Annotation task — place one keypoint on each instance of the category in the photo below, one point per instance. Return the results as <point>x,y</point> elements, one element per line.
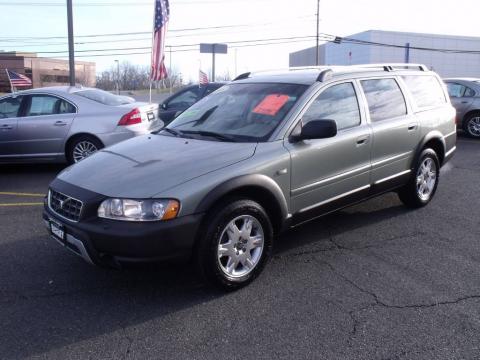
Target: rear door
<point>326,170</point>
<point>9,109</point>
<point>395,130</point>
<point>44,125</point>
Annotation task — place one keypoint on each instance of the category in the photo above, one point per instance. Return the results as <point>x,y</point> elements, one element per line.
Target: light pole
<point>118,77</point>
<point>71,50</point>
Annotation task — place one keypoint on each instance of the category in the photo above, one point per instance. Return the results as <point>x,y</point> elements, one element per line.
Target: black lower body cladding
<point>110,242</point>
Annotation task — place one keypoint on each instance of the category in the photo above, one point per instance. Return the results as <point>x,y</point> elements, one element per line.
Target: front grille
<point>65,206</point>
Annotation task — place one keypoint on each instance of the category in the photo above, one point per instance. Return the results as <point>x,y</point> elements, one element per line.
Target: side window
<point>185,99</point>
<point>469,92</point>
<point>426,90</point>
<point>455,90</point>
<point>9,107</point>
<point>211,89</point>
<point>66,108</point>
<point>385,99</point>
<point>339,103</point>
<point>43,105</point>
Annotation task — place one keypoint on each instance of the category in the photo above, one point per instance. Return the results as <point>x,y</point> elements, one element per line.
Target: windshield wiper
<point>174,132</point>
<point>222,137</point>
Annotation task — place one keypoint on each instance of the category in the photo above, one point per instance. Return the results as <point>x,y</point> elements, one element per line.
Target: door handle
<point>60,123</point>
<point>464,102</point>
<point>6,127</point>
<point>362,140</point>
<point>412,127</point>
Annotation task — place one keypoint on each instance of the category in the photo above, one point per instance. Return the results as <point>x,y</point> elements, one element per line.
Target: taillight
<point>133,117</point>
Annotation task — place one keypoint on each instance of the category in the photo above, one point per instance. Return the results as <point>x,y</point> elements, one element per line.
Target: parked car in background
<point>183,99</point>
<point>268,152</point>
<point>465,96</point>
<point>68,123</point>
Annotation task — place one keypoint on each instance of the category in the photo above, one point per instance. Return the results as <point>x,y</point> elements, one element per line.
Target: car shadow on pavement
<point>56,300</point>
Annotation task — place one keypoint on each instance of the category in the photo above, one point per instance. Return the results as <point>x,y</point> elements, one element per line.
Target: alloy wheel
<point>473,126</point>
<point>240,246</point>
<point>426,179</point>
<point>83,149</point>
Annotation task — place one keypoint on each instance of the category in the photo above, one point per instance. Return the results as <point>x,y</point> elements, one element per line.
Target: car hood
<point>146,165</point>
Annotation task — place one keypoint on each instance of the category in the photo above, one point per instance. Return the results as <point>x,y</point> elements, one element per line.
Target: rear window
<point>104,97</point>
<point>426,90</point>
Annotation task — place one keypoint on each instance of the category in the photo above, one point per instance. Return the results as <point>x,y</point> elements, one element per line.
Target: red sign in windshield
<point>271,104</point>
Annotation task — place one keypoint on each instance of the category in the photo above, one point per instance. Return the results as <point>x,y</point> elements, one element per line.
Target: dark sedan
<point>183,99</point>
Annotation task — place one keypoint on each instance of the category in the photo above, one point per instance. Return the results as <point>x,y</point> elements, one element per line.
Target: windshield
<point>104,97</point>
<point>239,112</point>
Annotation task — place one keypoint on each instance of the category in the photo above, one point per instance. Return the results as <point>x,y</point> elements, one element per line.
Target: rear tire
<point>235,245</point>
<point>471,125</point>
<point>423,183</point>
<point>82,147</point>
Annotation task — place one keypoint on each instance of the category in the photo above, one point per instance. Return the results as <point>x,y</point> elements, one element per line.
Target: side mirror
<point>316,129</point>
<point>164,106</point>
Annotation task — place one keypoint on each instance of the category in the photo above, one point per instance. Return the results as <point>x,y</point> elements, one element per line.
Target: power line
<point>150,32</point>
<point>256,42</point>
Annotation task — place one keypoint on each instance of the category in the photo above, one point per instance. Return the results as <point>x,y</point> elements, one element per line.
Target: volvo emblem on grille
<point>63,202</point>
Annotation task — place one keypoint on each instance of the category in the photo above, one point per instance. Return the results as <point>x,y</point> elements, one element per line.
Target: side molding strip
<point>334,198</point>
<point>392,177</point>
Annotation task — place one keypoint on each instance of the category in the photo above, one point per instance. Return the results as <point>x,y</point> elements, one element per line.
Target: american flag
<point>202,78</point>
<point>18,80</point>
<point>162,13</point>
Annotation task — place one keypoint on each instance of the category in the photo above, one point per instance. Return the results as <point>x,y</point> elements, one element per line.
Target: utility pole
<point>71,50</point>
<point>318,30</point>
<point>118,77</point>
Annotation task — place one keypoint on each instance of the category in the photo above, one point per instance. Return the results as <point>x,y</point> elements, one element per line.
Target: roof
<point>310,75</point>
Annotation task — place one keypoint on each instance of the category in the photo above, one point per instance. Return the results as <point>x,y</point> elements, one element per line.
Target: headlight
<point>139,210</point>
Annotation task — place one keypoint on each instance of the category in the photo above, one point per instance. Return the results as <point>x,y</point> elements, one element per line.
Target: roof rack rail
<point>324,75</point>
<point>394,66</point>
<point>242,76</point>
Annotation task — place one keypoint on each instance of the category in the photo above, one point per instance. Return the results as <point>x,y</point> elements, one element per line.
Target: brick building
<point>43,71</point>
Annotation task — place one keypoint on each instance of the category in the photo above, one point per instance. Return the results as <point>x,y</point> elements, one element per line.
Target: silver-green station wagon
<point>263,153</point>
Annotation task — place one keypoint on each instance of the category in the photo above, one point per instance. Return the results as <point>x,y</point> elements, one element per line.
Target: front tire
<point>235,245</point>
<point>422,186</point>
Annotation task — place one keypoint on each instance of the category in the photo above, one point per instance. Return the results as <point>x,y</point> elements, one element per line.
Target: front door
<point>44,125</point>
<point>326,170</point>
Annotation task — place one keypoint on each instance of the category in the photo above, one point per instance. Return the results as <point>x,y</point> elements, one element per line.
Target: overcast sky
<point>256,20</point>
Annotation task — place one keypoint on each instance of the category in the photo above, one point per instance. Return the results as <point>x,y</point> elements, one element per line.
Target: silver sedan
<point>63,123</point>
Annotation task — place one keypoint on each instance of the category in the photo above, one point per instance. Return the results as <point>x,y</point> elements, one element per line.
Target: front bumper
<point>111,242</point>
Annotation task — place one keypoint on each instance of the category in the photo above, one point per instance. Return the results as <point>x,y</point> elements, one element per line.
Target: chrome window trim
<point>333,198</point>
<point>54,95</point>
<point>56,213</point>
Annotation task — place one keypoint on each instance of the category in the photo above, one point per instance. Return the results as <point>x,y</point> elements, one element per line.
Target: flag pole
<point>151,51</point>
<point>10,81</point>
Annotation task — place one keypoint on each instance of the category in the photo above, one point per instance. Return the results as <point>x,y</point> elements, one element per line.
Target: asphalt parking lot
<point>374,281</point>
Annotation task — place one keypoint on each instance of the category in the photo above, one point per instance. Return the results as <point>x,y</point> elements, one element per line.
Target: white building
<point>459,64</point>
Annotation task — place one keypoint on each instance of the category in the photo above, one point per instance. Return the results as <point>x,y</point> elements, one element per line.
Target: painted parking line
<point>21,204</point>
<point>20,194</point>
